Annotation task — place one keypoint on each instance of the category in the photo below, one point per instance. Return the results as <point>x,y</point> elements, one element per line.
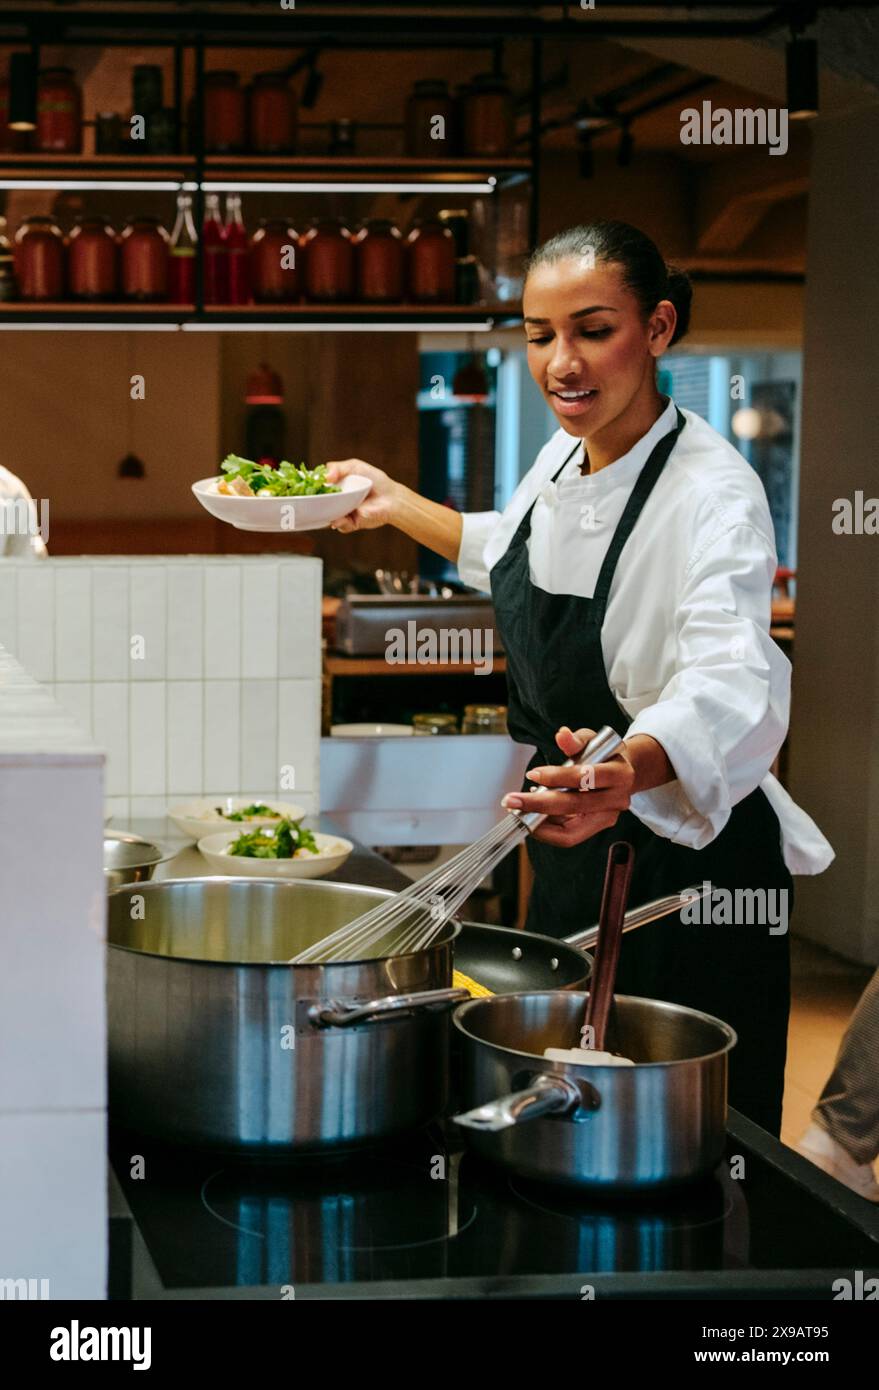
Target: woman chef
<point>631,575</point>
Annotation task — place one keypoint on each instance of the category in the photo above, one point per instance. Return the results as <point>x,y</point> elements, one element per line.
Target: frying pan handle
<point>335,1013</point>
<point>640,916</point>
<point>548,1095</point>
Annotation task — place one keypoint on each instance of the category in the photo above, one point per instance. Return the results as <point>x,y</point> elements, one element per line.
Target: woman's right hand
<point>377,507</point>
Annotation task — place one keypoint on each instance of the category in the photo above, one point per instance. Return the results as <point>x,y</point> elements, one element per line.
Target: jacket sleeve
<point>723,715</point>
<point>477,527</point>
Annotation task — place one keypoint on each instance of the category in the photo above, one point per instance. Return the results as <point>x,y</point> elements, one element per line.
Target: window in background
<point>753,399</point>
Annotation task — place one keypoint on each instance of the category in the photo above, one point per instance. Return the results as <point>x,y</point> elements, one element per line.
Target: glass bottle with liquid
<point>215,253</point>
<point>238,272</point>
<point>184,248</point>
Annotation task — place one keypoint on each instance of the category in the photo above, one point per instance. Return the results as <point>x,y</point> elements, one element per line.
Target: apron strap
<point>647,479</point>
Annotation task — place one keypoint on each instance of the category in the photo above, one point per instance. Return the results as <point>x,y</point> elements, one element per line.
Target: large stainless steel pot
<point>216,1040</point>
<point>657,1123</point>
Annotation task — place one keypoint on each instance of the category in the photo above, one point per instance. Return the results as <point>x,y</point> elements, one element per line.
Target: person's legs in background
<point>843,1138</point>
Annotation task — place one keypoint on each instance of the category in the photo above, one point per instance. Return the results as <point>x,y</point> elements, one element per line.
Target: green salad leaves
<point>271,843</point>
<point>287,480</point>
<point>252,812</point>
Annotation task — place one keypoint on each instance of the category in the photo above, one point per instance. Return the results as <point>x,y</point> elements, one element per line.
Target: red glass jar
<point>489,124</point>
<point>431,263</point>
<point>274,271</point>
<point>39,259</point>
<point>328,261</point>
<point>427,136</point>
<point>272,114</point>
<point>59,112</point>
<point>380,260</point>
<point>224,113</point>
<point>145,250</point>
<point>93,260</point>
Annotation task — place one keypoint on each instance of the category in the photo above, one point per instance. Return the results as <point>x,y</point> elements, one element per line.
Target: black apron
<point>556,676</point>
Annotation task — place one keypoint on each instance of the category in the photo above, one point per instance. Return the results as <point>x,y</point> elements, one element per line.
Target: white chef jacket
<point>13,541</point>
<point>686,634</point>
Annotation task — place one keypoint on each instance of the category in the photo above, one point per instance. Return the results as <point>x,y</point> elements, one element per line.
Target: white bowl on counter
<point>282,514</point>
<point>197,818</point>
<point>333,851</point>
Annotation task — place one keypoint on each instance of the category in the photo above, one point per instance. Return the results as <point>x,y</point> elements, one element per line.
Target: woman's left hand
<point>599,794</point>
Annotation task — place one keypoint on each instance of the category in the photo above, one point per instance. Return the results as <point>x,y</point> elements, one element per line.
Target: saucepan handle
<point>335,1013</point>
<point>548,1095</point>
<point>640,916</point>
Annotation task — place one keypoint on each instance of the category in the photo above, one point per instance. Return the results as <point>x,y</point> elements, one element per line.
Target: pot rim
<point>273,884</point>
<point>583,1070</point>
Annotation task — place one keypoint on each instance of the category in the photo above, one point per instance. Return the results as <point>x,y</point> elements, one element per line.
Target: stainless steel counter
<point>184,861</point>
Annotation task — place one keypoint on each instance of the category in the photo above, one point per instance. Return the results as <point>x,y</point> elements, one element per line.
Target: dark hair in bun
<point>645,272</point>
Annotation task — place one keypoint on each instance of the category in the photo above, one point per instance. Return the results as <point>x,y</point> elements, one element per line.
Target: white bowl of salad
<point>284,851</point>
<point>213,813</point>
<point>257,497</point>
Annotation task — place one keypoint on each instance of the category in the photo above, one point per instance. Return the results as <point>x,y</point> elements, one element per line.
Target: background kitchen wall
<point>226,692</point>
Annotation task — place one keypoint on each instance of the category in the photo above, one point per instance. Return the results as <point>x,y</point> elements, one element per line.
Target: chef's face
<point>590,349</point>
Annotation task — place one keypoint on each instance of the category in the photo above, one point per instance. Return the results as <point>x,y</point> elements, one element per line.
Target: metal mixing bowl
<point>128,859</point>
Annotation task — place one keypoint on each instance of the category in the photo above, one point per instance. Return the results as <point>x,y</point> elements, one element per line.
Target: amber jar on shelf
<point>328,262</point>
<point>484,719</point>
<point>430,251</point>
<point>428,137</point>
<point>225,122</point>
<point>145,251</point>
<point>39,259</point>
<point>59,112</point>
<point>272,114</point>
<point>93,260</point>
<point>379,259</point>
<point>273,278</point>
<point>488,117</point>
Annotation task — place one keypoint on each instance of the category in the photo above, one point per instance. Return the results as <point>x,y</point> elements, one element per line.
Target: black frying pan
<point>507,961</point>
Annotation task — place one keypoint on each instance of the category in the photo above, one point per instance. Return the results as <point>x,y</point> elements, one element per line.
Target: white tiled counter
<point>52,1030</point>
<point>199,675</point>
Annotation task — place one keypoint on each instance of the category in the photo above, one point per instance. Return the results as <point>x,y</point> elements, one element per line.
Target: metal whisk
<point>411,920</point>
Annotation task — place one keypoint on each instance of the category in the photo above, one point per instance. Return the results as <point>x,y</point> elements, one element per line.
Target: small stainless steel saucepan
<point>659,1122</point>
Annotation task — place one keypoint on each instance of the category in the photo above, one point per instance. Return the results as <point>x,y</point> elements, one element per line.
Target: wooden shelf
<point>338,665</point>
<point>380,312</point>
<point>245,168</point>
<point>66,308</point>
<point>432,317</point>
<point>332,167</point>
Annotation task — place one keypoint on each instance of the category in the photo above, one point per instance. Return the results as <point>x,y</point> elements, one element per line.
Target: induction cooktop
<point>418,1217</point>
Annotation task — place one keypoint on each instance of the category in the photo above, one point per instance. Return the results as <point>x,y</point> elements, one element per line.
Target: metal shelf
<point>261,174</point>
<point>413,318</point>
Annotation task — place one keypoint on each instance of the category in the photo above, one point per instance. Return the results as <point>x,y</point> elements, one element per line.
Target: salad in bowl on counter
<point>290,497</point>
<point>287,850</point>
<point>195,819</point>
